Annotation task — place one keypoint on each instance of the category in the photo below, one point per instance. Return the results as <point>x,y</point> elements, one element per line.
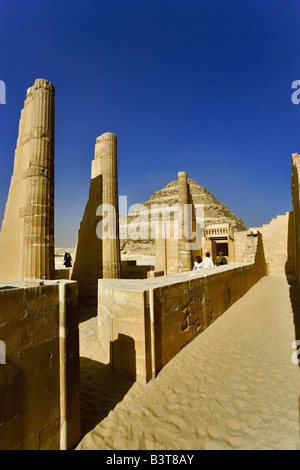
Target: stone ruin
<point>98,256</point>
<point>27,233</point>
<point>145,316</point>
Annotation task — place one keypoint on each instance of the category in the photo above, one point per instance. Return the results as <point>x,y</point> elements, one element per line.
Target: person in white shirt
<point>197,263</point>
<point>207,262</point>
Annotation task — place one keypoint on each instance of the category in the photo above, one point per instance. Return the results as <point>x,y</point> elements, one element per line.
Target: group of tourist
<point>208,263</point>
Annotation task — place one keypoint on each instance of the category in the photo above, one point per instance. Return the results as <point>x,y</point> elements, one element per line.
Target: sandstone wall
<point>30,395</point>
<point>278,242</point>
<point>295,180</point>
<point>63,273</point>
<point>166,248</point>
<point>144,324</point>
<point>130,270</point>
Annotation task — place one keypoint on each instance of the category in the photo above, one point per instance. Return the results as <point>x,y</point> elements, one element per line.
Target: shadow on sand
<point>101,389</point>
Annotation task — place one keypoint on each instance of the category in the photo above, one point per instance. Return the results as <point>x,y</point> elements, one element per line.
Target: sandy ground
<point>233,387</point>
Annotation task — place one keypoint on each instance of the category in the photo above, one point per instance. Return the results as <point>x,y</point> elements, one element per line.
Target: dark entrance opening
<point>223,247</point>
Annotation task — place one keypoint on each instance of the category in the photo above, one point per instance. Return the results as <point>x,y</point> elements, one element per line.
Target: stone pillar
<point>106,154</point>
<point>184,218</point>
<point>38,237</point>
<point>97,256</point>
<point>87,266</point>
<point>27,233</point>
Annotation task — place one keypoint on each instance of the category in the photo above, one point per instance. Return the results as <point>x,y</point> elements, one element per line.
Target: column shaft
<point>184,218</point>
<point>38,237</point>
<point>106,152</point>
<point>27,232</point>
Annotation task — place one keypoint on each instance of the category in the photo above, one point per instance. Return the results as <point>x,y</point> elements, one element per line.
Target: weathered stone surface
<point>278,241</point>
<point>30,386</point>
<point>144,323</point>
<point>293,261</point>
<point>184,242</point>
<point>97,255</point>
<point>27,233</point>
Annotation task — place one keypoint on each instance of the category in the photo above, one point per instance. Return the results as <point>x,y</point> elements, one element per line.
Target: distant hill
<point>214,213</point>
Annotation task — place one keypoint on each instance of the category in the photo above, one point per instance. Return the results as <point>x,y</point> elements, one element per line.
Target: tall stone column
<point>106,154</point>
<point>38,237</point>
<point>184,218</point>
<point>96,255</point>
<point>27,232</point>
<point>87,267</point>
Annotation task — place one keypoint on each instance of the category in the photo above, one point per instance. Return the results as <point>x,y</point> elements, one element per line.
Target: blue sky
<point>202,86</point>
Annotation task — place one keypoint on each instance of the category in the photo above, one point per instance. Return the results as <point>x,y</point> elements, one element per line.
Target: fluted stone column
<point>87,267</point>
<point>38,238</point>
<point>27,233</point>
<point>184,218</point>
<point>97,256</point>
<point>106,155</point>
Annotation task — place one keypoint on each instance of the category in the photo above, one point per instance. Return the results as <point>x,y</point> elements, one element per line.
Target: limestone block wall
<point>166,248</point>
<point>130,270</point>
<point>295,216</point>
<point>209,246</point>
<point>144,324</point>
<point>63,273</point>
<point>240,246</point>
<point>278,238</point>
<point>32,392</point>
<point>124,327</point>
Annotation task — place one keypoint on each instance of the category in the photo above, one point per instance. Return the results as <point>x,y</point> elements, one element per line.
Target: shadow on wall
<point>290,263</point>
<point>7,287</point>
<point>86,312</point>
<point>87,267</point>
<point>290,269</point>
<point>295,302</point>
<point>123,353</point>
<point>12,407</point>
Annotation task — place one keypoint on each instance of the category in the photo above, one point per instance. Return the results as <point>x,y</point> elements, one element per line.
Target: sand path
<point>233,387</point>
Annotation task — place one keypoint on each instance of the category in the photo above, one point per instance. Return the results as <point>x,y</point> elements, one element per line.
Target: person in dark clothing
<point>68,260</point>
<point>221,260</point>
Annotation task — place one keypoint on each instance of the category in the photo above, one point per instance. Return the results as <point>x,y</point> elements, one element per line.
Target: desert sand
<point>233,387</point>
